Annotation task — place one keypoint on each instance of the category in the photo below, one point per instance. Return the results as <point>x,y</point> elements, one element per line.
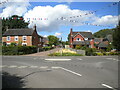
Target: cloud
<point>45,35</point>
<point>58,34</point>
<point>14,7</point>
<point>52,13</point>
<point>106,20</point>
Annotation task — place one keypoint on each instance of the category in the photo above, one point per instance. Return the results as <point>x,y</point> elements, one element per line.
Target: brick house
<point>81,38</point>
<point>27,37</point>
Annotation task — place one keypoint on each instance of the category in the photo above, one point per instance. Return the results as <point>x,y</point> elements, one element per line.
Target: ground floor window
<point>24,44</point>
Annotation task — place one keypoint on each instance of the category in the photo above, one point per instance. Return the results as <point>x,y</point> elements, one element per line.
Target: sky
<point>57,18</point>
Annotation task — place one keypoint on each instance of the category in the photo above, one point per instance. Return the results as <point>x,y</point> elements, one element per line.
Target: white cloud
<point>58,34</point>
<point>106,20</point>
<point>14,7</point>
<point>52,13</point>
<point>45,35</point>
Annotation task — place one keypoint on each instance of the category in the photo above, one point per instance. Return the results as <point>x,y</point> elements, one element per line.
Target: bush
<point>77,47</point>
<point>47,48</point>
<point>18,50</point>
<point>99,54</point>
<point>65,54</point>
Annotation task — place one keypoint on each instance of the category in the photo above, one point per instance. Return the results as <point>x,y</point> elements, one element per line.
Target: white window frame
<point>9,38</point>
<point>77,39</point>
<point>24,44</point>
<point>86,38</point>
<point>16,38</point>
<point>40,40</point>
<point>24,37</point>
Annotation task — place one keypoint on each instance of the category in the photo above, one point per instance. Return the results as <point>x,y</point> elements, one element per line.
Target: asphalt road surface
<point>63,72</point>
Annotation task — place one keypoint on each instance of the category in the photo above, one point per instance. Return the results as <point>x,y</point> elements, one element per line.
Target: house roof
<point>103,44</point>
<point>18,32</point>
<point>81,43</point>
<point>84,34</point>
<point>98,39</point>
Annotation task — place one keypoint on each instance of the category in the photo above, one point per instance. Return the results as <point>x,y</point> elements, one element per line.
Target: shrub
<point>77,47</point>
<point>18,50</point>
<point>64,54</point>
<point>47,48</point>
<point>99,54</point>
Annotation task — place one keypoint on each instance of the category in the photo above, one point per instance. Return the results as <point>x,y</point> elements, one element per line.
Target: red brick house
<point>27,37</point>
<point>81,38</point>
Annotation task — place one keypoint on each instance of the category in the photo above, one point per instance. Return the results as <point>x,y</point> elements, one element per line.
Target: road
<point>64,72</point>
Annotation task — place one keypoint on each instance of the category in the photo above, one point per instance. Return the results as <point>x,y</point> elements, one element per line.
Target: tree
<point>116,38</point>
<point>103,33</point>
<point>53,40</point>
<point>13,23</point>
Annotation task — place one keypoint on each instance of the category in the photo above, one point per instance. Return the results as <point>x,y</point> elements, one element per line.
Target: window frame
<point>15,38</point>
<point>23,37</point>
<point>9,38</point>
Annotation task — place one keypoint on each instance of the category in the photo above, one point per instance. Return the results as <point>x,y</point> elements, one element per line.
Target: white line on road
<point>55,67</point>
<point>58,59</point>
<point>3,66</point>
<point>33,67</point>
<point>12,66</point>
<point>22,66</point>
<point>79,59</point>
<point>112,59</point>
<point>44,67</point>
<point>105,85</point>
<point>71,71</point>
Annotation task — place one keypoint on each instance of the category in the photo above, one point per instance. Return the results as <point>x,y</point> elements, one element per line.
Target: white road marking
<point>71,71</point>
<point>3,66</point>
<point>112,59</point>
<point>33,67</point>
<point>79,59</point>
<point>58,59</point>
<point>12,66</point>
<point>44,67</point>
<point>105,85</point>
<point>22,66</point>
<point>55,67</point>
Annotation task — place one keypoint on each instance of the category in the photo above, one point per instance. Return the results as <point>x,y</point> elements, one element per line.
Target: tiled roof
<point>84,34</point>
<point>103,44</point>
<point>81,43</point>
<point>98,39</point>
<point>18,32</point>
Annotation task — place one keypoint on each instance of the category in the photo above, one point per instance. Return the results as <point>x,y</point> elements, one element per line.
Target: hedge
<point>18,50</point>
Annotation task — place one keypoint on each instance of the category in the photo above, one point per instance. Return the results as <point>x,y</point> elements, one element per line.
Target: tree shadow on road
<point>11,81</point>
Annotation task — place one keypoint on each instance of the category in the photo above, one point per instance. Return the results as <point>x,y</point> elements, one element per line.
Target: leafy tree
<point>116,38</point>
<point>13,23</point>
<point>53,40</point>
<point>103,33</point>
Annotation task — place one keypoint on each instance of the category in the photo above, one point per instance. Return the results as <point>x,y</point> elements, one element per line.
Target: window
<point>8,38</point>
<point>24,44</point>
<point>16,38</point>
<point>78,39</point>
<point>24,38</point>
<point>86,38</point>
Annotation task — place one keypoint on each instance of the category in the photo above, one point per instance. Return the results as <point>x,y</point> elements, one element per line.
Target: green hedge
<point>47,48</point>
<point>64,54</point>
<point>18,50</point>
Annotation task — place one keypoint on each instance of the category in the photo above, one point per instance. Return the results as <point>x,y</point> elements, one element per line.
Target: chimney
<point>6,28</point>
<point>71,30</point>
<point>34,27</point>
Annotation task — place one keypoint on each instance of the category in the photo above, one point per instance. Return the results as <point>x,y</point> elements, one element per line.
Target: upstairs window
<point>24,38</point>
<point>78,39</point>
<point>8,38</point>
<point>16,38</point>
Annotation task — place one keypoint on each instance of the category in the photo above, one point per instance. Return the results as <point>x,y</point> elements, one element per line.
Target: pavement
<point>44,53</point>
<point>64,72</point>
